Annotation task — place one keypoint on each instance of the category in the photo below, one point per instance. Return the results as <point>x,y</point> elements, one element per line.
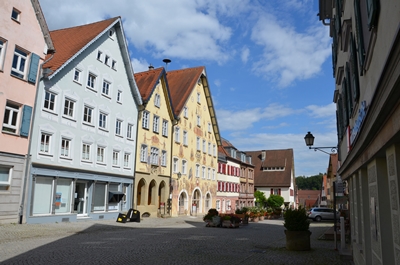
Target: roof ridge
<point>86,25</point>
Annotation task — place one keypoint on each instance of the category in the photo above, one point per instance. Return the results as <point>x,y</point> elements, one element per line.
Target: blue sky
<point>268,63</point>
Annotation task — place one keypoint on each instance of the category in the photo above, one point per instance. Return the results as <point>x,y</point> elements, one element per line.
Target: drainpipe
<point>28,155</point>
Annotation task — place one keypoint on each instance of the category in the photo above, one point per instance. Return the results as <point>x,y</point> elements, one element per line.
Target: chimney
<point>151,67</point>
<point>262,155</point>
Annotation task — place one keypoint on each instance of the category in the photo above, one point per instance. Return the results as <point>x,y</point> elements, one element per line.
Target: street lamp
<point>309,138</point>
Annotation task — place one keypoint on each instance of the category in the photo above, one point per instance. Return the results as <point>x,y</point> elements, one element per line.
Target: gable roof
<point>308,198</point>
<point>273,158</point>
<point>147,82</point>
<point>332,166</point>
<point>43,25</point>
<point>70,42</point>
<point>182,83</point>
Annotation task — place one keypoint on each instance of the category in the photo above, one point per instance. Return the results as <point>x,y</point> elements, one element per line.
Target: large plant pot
<point>298,240</point>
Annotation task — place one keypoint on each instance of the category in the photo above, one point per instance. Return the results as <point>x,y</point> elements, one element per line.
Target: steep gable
<point>273,168</point>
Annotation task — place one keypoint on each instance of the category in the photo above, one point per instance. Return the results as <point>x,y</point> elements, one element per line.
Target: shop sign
<point>357,125</point>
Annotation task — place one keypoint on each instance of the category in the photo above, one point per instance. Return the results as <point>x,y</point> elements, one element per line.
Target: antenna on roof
<point>166,61</point>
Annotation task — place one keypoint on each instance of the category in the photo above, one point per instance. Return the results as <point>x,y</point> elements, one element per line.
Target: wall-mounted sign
<point>362,111</point>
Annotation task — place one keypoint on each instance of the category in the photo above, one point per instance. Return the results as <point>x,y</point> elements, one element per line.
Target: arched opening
<point>152,193</point>
<point>196,202</point>
<point>182,203</point>
<point>162,194</point>
<point>207,202</point>
<point>140,192</point>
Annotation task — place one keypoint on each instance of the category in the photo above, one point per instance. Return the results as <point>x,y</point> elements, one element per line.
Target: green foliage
<point>309,183</point>
<point>211,212</point>
<point>296,220</point>
<point>260,198</point>
<point>275,201</point>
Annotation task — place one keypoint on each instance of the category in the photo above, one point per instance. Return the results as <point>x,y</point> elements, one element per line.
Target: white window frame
<point>208,173</point>
<point>198,144</point>
<point>209,127</point>
<point>88,116</point>
<point>101,153</point>
<point>156,123</point>
<point>165,128</point>
<point>118,127</point>
<point>70,108</point>
<point>127,160</point>
<point>77,75</point>
<point>154,153</point>
<point>13,110</point>
<point>177,135</point>
<point>99,55</point>
<point>143,153</point>
<point>145,119</point>
<point>214,150</point>
<point>107,59</point>
<point>129,131</point>
<point>164,158</point>
<point>213,174</point>
<point>106,88</point>
<point>3,46</point>
<point>209,148</point>
<point>91,81</point>
<point>86,152</point>
<point>119,96</point>
<point>157,100</point>
<point>16,15</point>
<point>198,121</point>
<point>65,147</point>
<point>6,183</point>
<point>51,101</point>
<point>204,146</point>
<point>184,166</point>
<point>185,138</point>
<point>198,98</point>
<point>185,112</point>
<point>21,57</point>
<point>203,172</point>
<point>175,165</point>
<point>103,120</point>
<point>45,143</point>
<point>197,171</point>
<point>114,65</point>
<point>115,158</point>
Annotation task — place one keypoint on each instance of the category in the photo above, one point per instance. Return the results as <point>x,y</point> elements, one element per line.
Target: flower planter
<point>261,218</point>
<point>298,240</point>
<point>229,224</point>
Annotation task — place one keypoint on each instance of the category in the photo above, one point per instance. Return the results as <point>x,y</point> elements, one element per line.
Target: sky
<point>268,63</point>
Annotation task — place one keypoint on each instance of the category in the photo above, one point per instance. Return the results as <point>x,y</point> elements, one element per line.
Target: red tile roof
<point>70,41</point>
<point>147,81</point>
<point>273,158</point>
<point>308,198</point>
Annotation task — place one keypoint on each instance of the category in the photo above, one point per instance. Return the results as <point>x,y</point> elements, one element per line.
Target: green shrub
<point>296,220</point>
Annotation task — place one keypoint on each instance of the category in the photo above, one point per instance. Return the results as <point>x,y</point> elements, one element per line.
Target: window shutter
<point>359,36</point>
<point>279,191</point>
<point>33,68</point>
<point>372,10</point>
<point>348,89</point>
<point>272,191</point>
<point>354,71</point>
<point>338,23</point>
<point>26,121</point>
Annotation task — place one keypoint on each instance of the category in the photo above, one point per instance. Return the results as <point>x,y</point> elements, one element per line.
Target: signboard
<point>362,111</point>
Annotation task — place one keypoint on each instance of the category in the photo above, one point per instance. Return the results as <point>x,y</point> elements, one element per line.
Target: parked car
<point>320,213</point>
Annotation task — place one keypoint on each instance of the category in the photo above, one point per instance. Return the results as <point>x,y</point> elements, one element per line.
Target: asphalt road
<point>180,240</point>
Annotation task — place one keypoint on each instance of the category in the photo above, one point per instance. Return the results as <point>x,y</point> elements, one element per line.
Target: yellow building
<point>154,140</point>
<point>195,143</point>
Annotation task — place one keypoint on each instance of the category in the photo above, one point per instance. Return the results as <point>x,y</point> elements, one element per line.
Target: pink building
<point>24,43</point>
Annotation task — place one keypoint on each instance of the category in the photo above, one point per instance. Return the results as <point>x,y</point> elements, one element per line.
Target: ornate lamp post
<point>309,138</point>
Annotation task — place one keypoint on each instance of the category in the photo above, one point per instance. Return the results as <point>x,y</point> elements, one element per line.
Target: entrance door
<point>81,197</point>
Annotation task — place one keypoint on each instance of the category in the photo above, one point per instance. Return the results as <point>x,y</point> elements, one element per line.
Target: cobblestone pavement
<point>177,240</point>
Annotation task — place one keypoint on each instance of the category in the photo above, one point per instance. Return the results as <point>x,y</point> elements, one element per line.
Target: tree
<point>260,198</point>
<point>275,201</point>
<point>309,183</point>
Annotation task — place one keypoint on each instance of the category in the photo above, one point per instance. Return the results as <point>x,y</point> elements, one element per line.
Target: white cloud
<point>139,65</point>
<point>217,82</point>
<point>289,55</point>
<point>245,54</point>
<point>322,111</point>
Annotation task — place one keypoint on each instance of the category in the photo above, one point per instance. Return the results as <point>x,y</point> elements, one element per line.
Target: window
<point>114,65</point>
<point>163,158</point>
<point>107,60</point>
<point>209,173</point>
<point>177,135</point>
<point>185,112</point>
<point>119,96</point>
<point>145,119</point>
<point>11,117</point>
<point>99,198</point>
<point>103,120</point>
<point>185,140</point>
<point>15,14</point>
<point>218,205</point>
<point>175,165</point>
<point>100,154</point>
<point>118,127</point>
<point>77,75</point>
<point>106,88</point>
<point>86,152</point>
<point>209,127</point>
<point>198,143</point>
<point>99,55</point>
<point>214,150</point>
<point>213,174</point>
<point>204,146</point>
<point>198,120</point>
<point>157,100</point>
<point>91,82</point>
<point>49,101</point>
<point>65,147</point>
<point>2,52</point>
<point>129,131</point>
<point>63,195</point>
<point>115,158</point>
<point>19,62</point>
<point>5,177</point>
<point>165,128</point>
<point>203,172</point>
<point>143,153</point>
<point>156,125</point>
<point>45,143</point>
<point>197,173</point>
<point>87,114</point>
<point>69,107</point>
<point>154,156</point>
<point>127,158</point>
<point>184,166</point>
<point>209,148</point>
<point>198,98</point>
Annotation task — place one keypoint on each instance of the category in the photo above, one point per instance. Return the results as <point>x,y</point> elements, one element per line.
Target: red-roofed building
<point>274,173</point>
<point>309,198</point>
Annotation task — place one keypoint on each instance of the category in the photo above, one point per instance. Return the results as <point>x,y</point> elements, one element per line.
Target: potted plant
<point>212,218</point>
<point>262,214</point>
<point>297,229</point>
<point>243,214</point>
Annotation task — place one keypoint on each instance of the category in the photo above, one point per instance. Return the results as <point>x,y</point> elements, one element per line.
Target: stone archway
<point>196,202</point>
<point>141,192</point>
<point>151,196</point>
<point>182,204</point>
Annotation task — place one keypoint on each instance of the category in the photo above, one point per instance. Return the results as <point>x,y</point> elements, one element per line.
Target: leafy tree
<point>275,201</point>
<point>309,183</point>
<point>260,198</point>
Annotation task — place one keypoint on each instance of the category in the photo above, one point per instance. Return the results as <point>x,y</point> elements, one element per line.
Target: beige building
<point>154,144</point>
<point>195,143</point>
<point>366,63</point>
